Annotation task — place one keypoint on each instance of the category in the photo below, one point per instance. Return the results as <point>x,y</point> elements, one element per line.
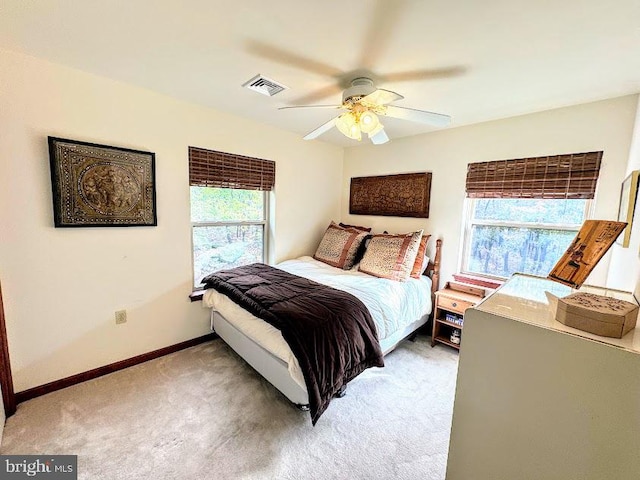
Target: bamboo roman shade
<point>208,168</point>
<point>557,176</point>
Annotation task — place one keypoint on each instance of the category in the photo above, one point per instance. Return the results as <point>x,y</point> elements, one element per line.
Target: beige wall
<point>624,270</point>
<point>605,125</point>
<point>62,286</point>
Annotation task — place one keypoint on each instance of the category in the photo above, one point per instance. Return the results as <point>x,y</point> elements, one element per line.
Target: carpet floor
<point>203,413</point>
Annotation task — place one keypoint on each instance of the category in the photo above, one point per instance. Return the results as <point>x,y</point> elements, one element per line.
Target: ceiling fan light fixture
<point>348,125</point>
<point>356,133</point>
<point>369,121</point>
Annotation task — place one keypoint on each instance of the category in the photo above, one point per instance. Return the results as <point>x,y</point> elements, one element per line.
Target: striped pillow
<point>339,245</point>
<point>391,256</point>
<point>421,258</point>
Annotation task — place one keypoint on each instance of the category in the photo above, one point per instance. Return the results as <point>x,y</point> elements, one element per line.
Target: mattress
<point>394,306</point>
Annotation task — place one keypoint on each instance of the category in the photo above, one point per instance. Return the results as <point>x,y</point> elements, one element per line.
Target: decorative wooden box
<point>597,314</point>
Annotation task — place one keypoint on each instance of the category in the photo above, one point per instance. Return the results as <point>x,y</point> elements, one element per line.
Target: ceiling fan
<point>363,104</point>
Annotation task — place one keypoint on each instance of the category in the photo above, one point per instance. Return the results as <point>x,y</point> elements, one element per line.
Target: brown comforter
<point>330,332</point>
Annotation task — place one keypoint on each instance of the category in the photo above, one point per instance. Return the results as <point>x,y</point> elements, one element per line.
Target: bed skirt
<point>274,369</point>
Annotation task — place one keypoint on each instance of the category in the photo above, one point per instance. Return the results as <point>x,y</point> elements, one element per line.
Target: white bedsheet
<point>392,305</point>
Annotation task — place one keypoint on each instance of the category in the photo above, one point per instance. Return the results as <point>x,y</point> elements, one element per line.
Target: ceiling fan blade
<point>319,94</point>
<point>426,74</point>
<point>384,19</point>
<point>289,58</point>
<point>310,106</point>
<point>325,127</point>
<point>382,97</point>
<point>420,116</point>
<point>379,137</point>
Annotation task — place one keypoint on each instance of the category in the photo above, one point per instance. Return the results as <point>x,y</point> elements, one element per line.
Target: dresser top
<point>523,298</point>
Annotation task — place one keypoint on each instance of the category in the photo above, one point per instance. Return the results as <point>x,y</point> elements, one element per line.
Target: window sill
<point>196,295</point>
<point>476,280</point>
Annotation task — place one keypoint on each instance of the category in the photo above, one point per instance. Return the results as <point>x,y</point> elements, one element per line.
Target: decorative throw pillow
<point>421,259</point>
<point>362,229</point>
<point>339,245</point>
<point>391,256</point>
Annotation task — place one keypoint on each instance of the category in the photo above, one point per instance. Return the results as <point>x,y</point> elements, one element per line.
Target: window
<point>229,210</point>
<point>523,214</point>
<point>229,228</point>
<point>520,235</point>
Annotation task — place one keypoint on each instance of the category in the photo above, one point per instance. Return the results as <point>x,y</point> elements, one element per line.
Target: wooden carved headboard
<point>433,269</point>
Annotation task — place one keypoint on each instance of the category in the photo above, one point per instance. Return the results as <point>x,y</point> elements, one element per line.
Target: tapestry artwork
<point>101,186</point>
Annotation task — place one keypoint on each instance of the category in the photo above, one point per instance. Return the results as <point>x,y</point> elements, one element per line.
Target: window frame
<point>469,222</point>
<point>265,231</point>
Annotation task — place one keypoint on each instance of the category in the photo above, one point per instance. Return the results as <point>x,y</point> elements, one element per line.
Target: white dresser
<point>538,400</point>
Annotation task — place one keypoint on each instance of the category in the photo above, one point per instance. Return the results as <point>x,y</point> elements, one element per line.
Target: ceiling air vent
<point>264,86</point>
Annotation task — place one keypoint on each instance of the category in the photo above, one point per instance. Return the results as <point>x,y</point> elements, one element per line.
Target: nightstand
<point>448,315</point>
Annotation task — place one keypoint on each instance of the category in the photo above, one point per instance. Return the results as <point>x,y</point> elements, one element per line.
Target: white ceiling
<point>478,59</point>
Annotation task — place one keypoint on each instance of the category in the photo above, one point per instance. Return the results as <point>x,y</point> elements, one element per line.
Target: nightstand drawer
<point>453,304</point>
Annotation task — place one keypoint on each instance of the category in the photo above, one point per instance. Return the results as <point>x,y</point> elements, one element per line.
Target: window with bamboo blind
<point>523,213</point>
<point>557,176</point>
<point>229,209</point>
<point>209,168</point>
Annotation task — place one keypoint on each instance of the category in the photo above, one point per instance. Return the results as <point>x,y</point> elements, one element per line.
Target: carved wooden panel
<point>402,195</point>
<point>591,243</point>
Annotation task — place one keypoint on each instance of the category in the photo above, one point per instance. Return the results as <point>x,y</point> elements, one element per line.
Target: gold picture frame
<point>628,193</point>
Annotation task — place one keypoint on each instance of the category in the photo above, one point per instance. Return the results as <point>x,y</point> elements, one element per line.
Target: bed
<point>398,309</point>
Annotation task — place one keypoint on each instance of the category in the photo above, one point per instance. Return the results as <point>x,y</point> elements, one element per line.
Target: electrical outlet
<point>121,317</point>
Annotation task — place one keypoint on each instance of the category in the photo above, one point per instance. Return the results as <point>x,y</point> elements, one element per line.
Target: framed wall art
<point>402,195</point>
<point>628,193</point>
<point>101,186</point>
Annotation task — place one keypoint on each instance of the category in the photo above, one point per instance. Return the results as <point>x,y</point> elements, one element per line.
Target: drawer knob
<point>454,304</point>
